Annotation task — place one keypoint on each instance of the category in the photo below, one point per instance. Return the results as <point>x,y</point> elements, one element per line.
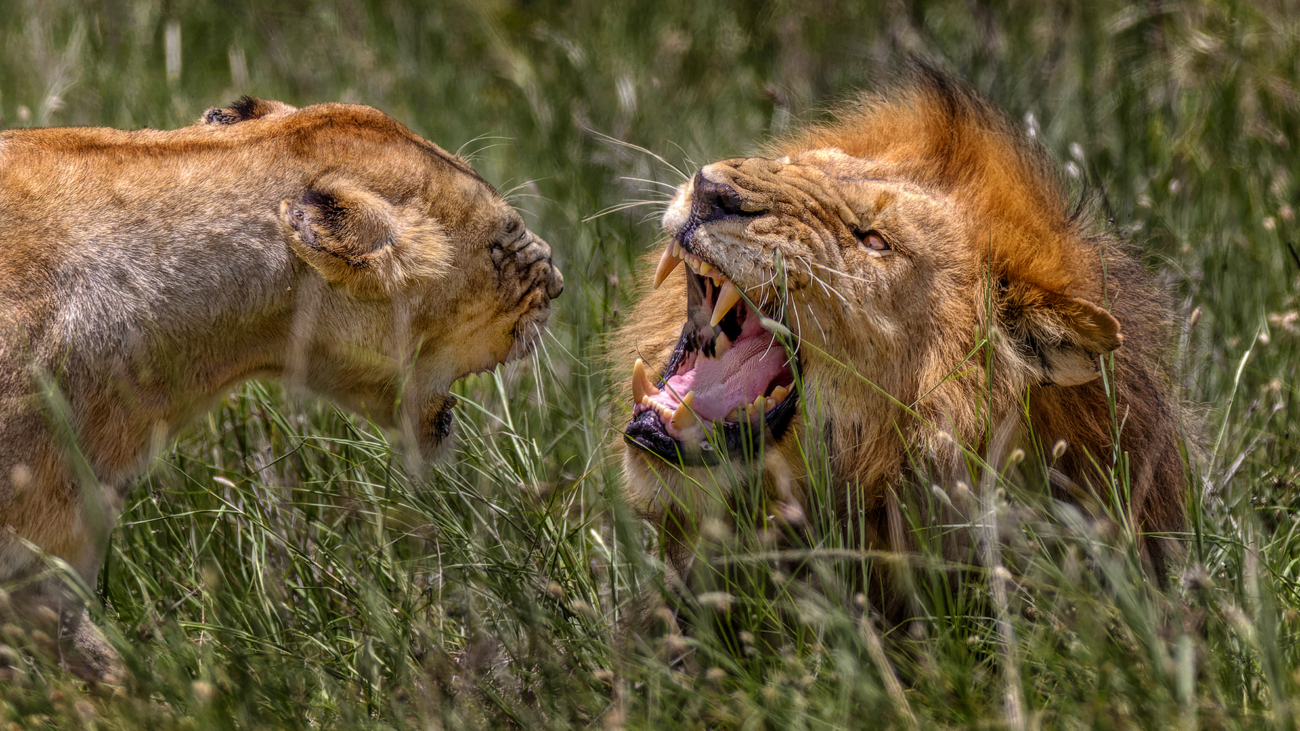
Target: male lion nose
<point>556,284</point>
<point>712,201</point>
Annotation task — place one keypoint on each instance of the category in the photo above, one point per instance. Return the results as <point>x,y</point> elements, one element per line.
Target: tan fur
<point>142,274</point>
<point>979,226</point>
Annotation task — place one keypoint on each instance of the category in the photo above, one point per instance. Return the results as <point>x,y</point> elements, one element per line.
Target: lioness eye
<point>873,240</point>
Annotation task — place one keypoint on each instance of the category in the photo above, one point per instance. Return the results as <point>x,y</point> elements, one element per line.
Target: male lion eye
<point>873,240</point>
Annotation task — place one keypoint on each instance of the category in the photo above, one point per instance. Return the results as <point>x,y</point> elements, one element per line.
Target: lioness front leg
<point>41,597</point>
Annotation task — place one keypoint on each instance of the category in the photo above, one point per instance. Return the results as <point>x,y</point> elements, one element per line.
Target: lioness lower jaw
<point>729,385</point>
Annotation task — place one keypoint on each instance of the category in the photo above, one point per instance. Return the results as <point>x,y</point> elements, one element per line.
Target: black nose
<point>712,201</point>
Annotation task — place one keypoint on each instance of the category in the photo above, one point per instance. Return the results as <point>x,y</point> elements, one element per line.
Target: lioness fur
<point>143,274</point>
<point>891,241</point>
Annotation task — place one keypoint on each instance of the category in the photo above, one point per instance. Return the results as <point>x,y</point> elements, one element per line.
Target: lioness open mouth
<point>729,383</point>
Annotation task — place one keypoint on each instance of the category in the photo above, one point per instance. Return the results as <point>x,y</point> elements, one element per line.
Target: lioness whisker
<point>460,151</point>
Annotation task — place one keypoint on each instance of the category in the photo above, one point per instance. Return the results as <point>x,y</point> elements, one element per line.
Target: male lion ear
<point>244,109</point>
<point>358,240</point>
<point>1058,337</point>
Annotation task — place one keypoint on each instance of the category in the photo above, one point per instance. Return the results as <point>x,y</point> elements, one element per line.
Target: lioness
<point>143,274</point>
<point>902,288</point>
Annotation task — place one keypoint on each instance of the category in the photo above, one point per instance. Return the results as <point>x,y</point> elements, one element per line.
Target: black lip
<point>741,440</point>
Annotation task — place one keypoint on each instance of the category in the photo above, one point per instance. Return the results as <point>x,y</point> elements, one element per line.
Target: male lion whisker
<point>671,188</point>
<point>608,138</point>
<point>833,289</point>
<point>844,274</point>
<point>620,207</point>
<point>690,162</point>
<point>813,314</point>
<point>829,289</point>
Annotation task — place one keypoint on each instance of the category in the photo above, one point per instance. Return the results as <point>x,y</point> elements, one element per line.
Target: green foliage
<point>278,568</point>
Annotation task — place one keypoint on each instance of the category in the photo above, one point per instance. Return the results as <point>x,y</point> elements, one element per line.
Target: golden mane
<point>941,135</point>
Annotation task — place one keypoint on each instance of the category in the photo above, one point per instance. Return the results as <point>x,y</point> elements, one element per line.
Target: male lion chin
<point>890,289</point>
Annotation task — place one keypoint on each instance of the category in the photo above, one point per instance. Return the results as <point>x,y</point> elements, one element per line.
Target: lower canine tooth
<point>734,415</point>
<point>641,386</point>
<point>683,417</point>
<point>728,296</point>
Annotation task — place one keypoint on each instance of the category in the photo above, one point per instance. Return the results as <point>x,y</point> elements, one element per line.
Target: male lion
<point>835,297</point>
<point>143,274</point>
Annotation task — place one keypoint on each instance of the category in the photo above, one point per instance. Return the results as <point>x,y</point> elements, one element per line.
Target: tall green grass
<point>279,568</point>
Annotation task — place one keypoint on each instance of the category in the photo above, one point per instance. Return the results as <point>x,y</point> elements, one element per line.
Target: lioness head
<point>888,286</point>
<point>421,272</point>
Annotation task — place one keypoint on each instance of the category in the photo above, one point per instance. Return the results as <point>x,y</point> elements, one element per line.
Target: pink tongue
<point>742,374</point>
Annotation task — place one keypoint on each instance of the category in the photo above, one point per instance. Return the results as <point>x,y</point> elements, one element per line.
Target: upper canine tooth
<point>728,296</point>
<point>683,417</point>
<point>667,264</point>
<point>705,268</point>
<point>641,385</point>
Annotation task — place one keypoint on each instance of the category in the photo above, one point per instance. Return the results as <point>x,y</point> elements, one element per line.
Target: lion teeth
<point>779,393</point>
<point>641,385</point>
<point>734,415</point>
<point>728,296</point>
<point>683,417</point>
<point>705,268</point>
<point>721,345</point>
<point>667,264</point>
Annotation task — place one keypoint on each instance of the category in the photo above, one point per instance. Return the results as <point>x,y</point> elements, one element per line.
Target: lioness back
<point>142,274</point>
<point>900,288</point>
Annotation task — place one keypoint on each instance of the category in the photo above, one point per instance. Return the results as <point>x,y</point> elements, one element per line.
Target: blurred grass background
<point>278,569</point>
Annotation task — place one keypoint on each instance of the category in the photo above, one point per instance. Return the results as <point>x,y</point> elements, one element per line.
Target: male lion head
<point>892,288</point>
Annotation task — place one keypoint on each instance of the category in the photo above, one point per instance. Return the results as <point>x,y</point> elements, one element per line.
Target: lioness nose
<point>712,201</point>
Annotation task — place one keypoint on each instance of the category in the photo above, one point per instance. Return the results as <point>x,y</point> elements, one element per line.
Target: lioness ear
<point>244,109</point>
<point>359,240</point>
<point>1059,337</point>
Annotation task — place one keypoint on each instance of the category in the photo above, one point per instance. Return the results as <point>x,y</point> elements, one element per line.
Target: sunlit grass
<point>279,568</point>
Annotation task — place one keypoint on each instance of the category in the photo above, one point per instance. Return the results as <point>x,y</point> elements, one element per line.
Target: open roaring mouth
<point>729,383</point>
